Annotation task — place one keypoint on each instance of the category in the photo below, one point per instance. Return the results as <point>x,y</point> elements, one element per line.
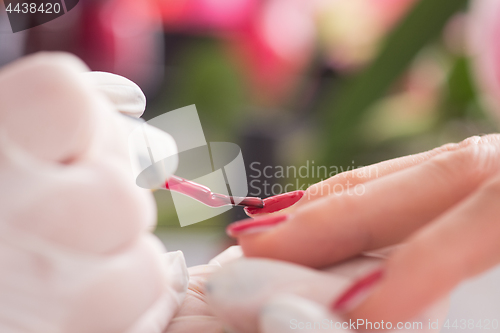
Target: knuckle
<point>480,140</point>
<point>473,140</point>
<point>476,140</point>
<point>474,161</point>
<point>447,147</point>
<point>484,158</point>
<point>491,138</point>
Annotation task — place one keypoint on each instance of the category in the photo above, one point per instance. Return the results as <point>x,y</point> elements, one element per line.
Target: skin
<point>443,204</point>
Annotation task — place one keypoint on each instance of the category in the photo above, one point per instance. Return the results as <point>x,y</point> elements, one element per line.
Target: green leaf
<point>341,113</point>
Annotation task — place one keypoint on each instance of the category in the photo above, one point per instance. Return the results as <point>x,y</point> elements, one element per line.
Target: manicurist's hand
<point>76,252</point>
<point>442,204</point>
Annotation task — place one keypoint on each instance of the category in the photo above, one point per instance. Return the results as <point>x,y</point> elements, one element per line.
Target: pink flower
<point>274,48</point>
<point>202,15</point>
<point>121,36</point>
<point>271,41</point>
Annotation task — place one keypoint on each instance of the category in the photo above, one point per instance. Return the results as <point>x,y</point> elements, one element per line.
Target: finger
<point>387,211</point>
<point>194,314</point>
<point>91,206</point>
<point>125,95</point>
<point>350,179</point>
<point>458,245</point>
<point>176,274</point>
<point>129,282</point>
<point>375,171</point>
<point>46,109</point>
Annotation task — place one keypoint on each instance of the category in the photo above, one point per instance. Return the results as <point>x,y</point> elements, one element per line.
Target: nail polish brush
<point>204,195</point>
<point>156,159</point>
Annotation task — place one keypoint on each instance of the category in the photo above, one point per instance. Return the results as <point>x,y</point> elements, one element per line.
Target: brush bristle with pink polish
<point>251,202</point>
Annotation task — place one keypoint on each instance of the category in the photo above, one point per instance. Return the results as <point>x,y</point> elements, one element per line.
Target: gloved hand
<point>75,251</point>
<point>194,315</point>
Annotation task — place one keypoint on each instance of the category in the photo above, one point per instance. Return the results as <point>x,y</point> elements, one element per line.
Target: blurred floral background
<point>342,83</point>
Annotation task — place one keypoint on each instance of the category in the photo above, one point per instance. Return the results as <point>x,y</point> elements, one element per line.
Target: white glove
<point>75,251</point>
<point>239,295</point>
<point>271,296</point>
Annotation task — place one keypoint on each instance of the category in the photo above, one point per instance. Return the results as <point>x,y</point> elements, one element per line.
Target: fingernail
<point>176,273</point>
<point>259,224</point>
<point>357,293</point>
<point>276,203</point>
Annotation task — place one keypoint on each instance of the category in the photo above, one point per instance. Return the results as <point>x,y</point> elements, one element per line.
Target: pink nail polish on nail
<point>255,225</point>
<point>357,293</point>
<point>276,203</point>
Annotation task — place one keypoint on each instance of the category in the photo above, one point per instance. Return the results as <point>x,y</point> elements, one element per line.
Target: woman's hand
<point>442,204</point>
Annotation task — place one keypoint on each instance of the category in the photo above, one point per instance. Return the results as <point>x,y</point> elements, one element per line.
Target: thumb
<point>124,94</point>
<point>159,315</point>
